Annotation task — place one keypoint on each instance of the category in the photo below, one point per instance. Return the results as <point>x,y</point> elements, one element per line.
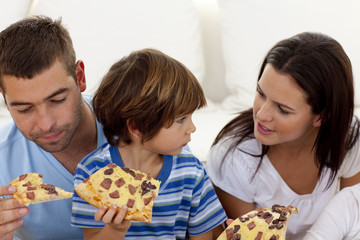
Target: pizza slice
<point>114,185</point>
<point>31,190</point>
<point>260,224</point>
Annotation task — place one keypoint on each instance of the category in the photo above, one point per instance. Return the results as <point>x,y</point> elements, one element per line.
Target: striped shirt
<point>186,204</point>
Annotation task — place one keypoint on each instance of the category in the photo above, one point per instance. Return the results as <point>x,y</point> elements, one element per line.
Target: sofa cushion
<point>251,27</point>
<point>105,31</point>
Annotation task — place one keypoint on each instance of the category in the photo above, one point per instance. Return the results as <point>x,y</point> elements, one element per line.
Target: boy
<point>145,103</point>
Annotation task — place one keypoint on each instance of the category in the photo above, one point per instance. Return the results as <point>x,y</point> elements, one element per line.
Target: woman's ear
<point>133,130</point>
<point>318,119</point>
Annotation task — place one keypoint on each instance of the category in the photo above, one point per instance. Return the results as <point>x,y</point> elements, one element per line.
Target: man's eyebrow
<point>61,90</point>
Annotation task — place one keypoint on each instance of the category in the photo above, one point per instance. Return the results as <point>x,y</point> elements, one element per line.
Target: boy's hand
<point>11,212</point>
<point>109,217</point>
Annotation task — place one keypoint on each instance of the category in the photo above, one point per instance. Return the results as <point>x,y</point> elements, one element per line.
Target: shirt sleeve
<point>233,174</point>
<point>339,219</point>
<point>351,163</point>
<point>206,211</point>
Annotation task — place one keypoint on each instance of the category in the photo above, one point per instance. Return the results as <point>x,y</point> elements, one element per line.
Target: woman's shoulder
<point>226,150</point>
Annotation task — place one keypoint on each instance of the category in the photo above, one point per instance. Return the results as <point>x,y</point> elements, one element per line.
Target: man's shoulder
<point>9,134</point>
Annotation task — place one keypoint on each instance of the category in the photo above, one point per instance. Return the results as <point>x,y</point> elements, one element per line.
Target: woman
<point>299,141</point>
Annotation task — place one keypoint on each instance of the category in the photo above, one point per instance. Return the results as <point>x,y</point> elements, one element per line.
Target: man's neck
<point>83,142</point>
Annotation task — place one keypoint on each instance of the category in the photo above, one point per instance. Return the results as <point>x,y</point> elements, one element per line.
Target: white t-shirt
<point>340,218</point>
<point>235,176</point>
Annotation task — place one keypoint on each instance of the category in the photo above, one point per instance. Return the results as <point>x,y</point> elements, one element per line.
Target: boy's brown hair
<point>32,45</point>
<point>147,89</point>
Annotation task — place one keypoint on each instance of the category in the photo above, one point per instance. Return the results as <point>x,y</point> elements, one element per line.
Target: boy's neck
<point>135,156</point>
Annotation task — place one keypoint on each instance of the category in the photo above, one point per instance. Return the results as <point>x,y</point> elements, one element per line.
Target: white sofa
<point>221,41</point>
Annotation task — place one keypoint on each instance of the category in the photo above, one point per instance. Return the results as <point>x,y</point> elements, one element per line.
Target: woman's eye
<point>283,111</point>
<point>260,92</point>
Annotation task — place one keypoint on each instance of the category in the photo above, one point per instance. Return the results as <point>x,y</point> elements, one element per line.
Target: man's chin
<point>52,148</point>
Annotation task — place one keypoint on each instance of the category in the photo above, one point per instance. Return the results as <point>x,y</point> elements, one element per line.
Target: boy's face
<point>46,108</point>
<point>171,140</point>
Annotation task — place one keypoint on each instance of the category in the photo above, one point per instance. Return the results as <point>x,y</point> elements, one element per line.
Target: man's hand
<point>11,212</point>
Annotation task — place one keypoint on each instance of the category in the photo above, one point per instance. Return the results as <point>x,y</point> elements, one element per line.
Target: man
<point>53,125</point>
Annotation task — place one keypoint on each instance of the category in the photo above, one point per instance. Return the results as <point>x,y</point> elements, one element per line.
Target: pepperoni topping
<point>273,237</point>
<point>236,228</point>
<point>120,182</point>
<point>258,236</point>
<point>132,189</point>
<point>30,195</point>
<point>147,200</point>
<point>130,203</point>
<point>114,194</point>
<point>251,225</point>
<point>106,183</point>
<point>229,233</point>
<point>22,177</point>
<point>139,176</point>
<point>50,188</point>
<point>148,176</point>
<point>129,171</point>
<point>40,175</point>
<point>236,236</point>
<point>27,184</point>
<point>109,171</point>
<point>31,188</point>
<point>112,165</point>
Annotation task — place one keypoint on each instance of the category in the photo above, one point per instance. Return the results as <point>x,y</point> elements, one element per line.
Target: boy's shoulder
<point>100,157</point>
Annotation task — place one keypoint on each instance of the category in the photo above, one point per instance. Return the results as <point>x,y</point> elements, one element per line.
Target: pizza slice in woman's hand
<point>260,224</point>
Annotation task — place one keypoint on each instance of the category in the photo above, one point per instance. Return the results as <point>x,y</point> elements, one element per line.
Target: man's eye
<point>59,100</point>
<point>23,110</point>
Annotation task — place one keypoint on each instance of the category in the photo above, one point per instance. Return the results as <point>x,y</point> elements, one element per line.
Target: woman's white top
<point>266,188</point>
<point>340,219</point>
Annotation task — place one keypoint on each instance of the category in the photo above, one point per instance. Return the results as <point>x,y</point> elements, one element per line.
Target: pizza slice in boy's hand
<point>31,190</point>
<point>113,185</point>
<point>260,224</point>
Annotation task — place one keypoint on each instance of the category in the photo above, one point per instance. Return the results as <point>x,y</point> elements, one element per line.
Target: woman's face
<point>281,113</point>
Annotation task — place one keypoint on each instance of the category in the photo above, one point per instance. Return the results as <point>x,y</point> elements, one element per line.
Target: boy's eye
<point>180,120</point>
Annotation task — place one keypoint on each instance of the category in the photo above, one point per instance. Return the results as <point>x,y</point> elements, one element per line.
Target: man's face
<point>47,108</point>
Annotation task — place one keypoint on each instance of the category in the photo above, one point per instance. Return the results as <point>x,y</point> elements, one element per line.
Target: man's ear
<point>134,131</point>
<point>80,75</point>
<point>3,94</point>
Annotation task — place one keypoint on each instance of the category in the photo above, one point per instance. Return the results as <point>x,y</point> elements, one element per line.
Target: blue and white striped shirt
<point>186,205</point>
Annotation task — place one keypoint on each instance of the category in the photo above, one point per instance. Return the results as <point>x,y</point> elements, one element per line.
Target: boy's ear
<point>131,125</point>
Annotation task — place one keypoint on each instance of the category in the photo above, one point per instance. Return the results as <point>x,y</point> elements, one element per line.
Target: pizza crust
<point>113,185</point>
